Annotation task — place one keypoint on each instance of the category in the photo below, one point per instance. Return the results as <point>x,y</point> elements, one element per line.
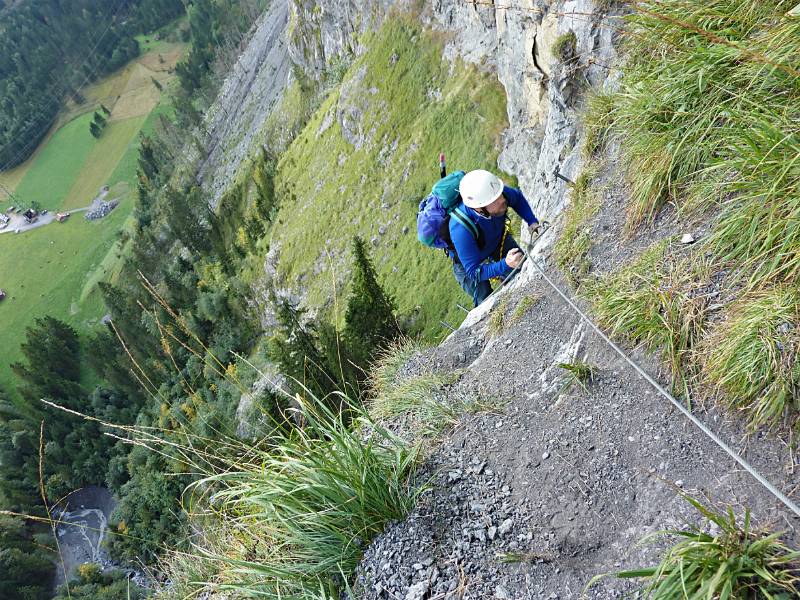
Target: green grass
<point>563,47</point>
<point>656,301</point>
<point>44,273</point>
<point>523,306</point>
<point>497,319</point>
<point>293,521</point>
<point>573,245</point>
<point>710,104</point>
<point>102,161</point>
<point>708,118</point>
<point>392,394</point>
<point>54,270</point>
<point>324,203</point>
<point>736,562</point>
<point>58,165</point>
<point>597,120</point>
<point>753,355</point>
<point>578,372</point>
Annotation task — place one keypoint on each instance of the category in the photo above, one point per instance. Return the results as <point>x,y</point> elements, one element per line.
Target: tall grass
<point>394,393</point>
<point>709,106</point>
<point>293,520</point>
<point>657,301</point>
<point>708,118</point>
<point>753,355</point>
<point>736,562</point>
<point>573,246</point>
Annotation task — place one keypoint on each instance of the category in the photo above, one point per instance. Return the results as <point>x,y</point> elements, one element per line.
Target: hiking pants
<point>480,290</point>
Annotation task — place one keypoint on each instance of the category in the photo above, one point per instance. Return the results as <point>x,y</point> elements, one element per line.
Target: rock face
<point>250,91</point>
<point>323,31</point>
<point>542,93</point>
<point>516,41</point>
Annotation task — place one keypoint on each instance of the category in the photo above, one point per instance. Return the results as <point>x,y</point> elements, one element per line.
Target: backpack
<point>436,210</point>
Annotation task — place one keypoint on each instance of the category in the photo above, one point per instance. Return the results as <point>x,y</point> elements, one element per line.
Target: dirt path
<point>572,478</point>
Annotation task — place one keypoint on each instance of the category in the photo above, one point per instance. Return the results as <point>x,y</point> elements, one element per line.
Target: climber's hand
<point>514,258</point>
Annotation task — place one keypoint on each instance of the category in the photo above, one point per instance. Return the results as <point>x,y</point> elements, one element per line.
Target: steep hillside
<point>548,456</point>
<point>367,157</point>
<point>282,448</point>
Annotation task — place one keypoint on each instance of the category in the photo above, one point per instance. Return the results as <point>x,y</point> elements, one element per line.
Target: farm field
<point>55,269</point>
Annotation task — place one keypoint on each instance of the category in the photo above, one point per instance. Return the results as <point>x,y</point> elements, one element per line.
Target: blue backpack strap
<point>462,218</point>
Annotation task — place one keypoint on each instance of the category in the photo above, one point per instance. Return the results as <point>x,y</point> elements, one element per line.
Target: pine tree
<point>370,323</point>
<point>99,119</point>
<point>297,350</point>
<point>94,130</point>
<point>52,353</point>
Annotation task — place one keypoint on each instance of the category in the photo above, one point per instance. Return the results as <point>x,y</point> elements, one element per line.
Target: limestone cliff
<point>543,93</point>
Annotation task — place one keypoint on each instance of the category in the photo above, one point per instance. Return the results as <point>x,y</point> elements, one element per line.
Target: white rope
<point>744,464</point>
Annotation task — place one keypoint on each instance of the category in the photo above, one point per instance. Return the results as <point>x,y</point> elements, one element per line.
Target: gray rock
<point>505,527</point>
<point>501,593</point>
<point>417,591</point>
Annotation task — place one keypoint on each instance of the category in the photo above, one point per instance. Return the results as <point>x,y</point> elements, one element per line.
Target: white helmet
<point>480,188</point>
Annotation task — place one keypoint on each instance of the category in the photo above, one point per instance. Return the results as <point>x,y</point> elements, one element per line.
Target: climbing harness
<point>728,450</point>
<point>499,251</point>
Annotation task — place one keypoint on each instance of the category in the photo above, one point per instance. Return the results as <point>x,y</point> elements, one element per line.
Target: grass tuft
<point>563,47</point>
<point>579,372</point>
<point>293,520</point>
<point>497,320</point>
<point>753,355</point>
<point>598,120</point>
<point>659,301</point>
<point>572,247</point>
<point>523,306</point>
<point>394,393</point>
<point>733,562</point>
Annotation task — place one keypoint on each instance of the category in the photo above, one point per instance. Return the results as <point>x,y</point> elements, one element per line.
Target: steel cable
<point>700,425</point>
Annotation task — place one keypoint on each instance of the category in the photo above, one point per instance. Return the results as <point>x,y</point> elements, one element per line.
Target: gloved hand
<point>537,228</point>
<point>514,258</point>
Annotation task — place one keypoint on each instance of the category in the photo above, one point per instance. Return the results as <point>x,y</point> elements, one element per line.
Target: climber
<point>479,258</point>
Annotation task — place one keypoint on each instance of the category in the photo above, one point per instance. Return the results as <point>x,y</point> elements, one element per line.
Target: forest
<point>171,357</point>
<point>51,49</point>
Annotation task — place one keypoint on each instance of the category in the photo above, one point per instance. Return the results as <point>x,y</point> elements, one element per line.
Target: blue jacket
<point>470,255</point>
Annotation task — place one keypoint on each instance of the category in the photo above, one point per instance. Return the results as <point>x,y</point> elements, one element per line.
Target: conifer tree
<point>370,323</point>
<point>296,350</point>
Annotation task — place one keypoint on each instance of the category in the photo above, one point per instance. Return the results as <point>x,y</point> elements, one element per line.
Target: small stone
<point>505,527</point>
<point>545,456</point>
<point>405,230</point>
<point>382,230</point>
<point>417,591</point>
<point>679,483</point>
<point>501,593</point>
<point>508,342</point>
<point>687,238</point>
<point>492,532</point>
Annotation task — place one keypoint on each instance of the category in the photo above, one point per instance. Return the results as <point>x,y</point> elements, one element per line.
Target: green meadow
<point>54,269</point>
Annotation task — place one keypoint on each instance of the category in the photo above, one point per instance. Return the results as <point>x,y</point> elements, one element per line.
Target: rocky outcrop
<point>248,95</point>
<point>324,31</point>
<point>542,93</point>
